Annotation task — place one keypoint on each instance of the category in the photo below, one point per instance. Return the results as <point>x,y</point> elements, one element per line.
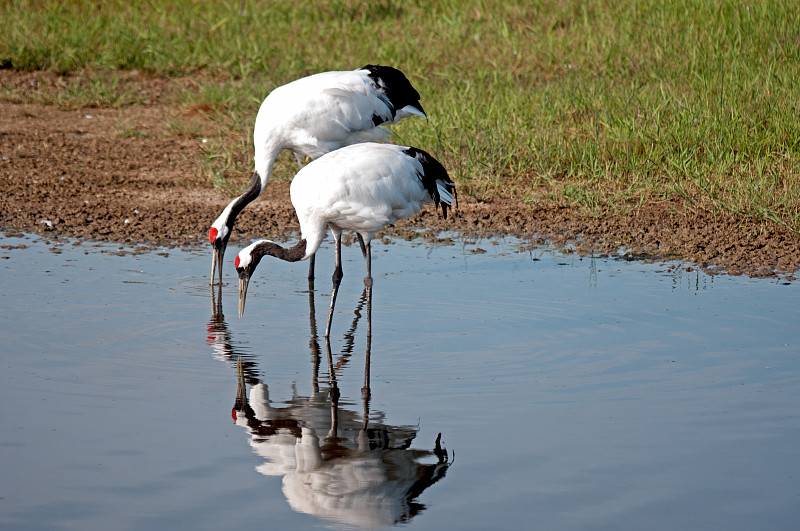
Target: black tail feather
<point>433,174</point>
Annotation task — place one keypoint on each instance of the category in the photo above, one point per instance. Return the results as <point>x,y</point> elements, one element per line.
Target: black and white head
<point>248,258</point>
<point>397,90</point>
<point>246,262</point>
<point>222,228</point>
<point>218,235</point>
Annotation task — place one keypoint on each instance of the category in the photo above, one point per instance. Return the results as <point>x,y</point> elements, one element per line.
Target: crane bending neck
<point>264,158</point>
<point>289,254</point>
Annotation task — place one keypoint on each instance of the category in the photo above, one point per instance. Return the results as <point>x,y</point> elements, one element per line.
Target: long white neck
<point>266,152</point>
<point>265,155</point>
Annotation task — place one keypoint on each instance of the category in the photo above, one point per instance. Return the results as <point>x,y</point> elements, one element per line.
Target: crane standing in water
<point>362,188</point>
<point>313,116</point>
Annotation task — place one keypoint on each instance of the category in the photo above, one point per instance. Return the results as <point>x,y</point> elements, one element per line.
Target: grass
<point>601,105</point>
<point>86,89</point>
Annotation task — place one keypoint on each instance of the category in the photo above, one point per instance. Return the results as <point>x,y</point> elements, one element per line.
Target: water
<point>569,393</point>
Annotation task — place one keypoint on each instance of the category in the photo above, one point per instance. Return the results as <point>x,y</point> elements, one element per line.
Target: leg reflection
<point>365,391</point>
<point>323,447</point>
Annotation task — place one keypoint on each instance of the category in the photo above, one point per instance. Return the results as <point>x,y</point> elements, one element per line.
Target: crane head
<point>218,235</point>
<point>245,263</point>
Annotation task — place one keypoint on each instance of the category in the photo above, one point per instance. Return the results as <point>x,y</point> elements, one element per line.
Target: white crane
<point>362,188</point>
<point>313,116</point>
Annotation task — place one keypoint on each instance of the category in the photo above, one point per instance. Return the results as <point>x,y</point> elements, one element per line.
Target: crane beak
<point>216,263</point>
<point>213,265</point>
<point>242,294</point>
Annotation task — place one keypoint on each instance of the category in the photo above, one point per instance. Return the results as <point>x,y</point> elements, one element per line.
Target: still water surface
<point>569,393</point>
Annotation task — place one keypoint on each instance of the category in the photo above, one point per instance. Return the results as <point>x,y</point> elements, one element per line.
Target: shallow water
<point>570,393</point>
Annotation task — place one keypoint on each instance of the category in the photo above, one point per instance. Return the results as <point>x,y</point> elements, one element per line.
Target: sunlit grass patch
<point>602,106</point>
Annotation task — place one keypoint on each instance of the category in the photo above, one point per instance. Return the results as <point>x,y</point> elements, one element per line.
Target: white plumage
<point>313,116</point>
<point>362,188</point>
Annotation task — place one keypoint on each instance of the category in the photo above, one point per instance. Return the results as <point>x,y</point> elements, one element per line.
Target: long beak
<point>422,113</point>
<point>242,294</point>
<point>216,263</point>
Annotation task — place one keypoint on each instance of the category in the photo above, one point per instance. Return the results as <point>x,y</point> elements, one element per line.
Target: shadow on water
<point>336,463</point>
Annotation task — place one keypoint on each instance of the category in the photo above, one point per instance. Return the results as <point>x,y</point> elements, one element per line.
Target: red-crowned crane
<point>361,188</point>
<point>315,115</point>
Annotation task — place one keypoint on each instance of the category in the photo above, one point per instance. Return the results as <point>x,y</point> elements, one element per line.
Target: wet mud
<point>121,175</point>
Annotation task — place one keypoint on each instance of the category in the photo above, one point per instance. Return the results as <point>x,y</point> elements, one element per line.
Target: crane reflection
<point>336,463</point>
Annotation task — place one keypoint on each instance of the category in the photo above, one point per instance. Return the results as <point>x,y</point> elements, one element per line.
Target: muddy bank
<point>85,174</point>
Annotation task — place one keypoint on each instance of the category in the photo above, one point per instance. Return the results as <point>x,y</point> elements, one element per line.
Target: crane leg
<point>365,391</point>
<point>337,279</point>
<point>311,268</point>
<point>361,243</point>
<point>368,256</point>
<point>334,392</point>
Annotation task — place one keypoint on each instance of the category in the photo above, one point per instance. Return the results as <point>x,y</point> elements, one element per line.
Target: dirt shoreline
<point>74,173</point>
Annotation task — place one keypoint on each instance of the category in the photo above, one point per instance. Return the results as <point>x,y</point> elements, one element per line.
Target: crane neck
<point>290,254</point>
<point>264,161</point>
<point>265,154</point>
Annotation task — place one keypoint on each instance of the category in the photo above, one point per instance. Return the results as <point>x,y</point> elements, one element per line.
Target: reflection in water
<point>336,463</point>
<point>219,338</point>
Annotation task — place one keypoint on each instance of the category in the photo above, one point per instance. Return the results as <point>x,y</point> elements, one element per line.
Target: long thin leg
<point>365,391</point>
<point>311,270</point>
<point>365,396</point>
<point>337,279</point>
<point>369,316</point>
<point>361,243</point>
<point>350,335</point>
<point>368,255</point>
<point>334,392</point>
<point>313,342</point>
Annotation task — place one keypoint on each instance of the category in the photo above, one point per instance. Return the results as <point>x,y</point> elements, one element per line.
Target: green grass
<point>86,89</point>
<point>601,105</point>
